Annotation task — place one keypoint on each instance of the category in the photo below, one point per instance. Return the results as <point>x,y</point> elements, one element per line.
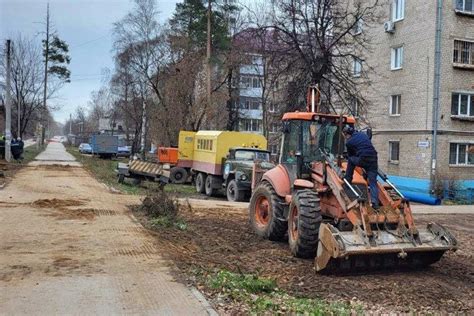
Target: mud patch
<point>63,265</point>
<point>68,214</point>
<point>55,167</point>
<point>9,204</point>
<point>14,272</point>
<point>56,203</point>
<point>80,214</point>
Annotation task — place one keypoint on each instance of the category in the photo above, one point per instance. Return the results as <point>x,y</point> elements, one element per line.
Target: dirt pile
<point>219,239</point>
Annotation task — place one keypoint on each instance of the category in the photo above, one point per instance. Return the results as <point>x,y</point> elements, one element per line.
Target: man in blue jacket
<point>362,153</point>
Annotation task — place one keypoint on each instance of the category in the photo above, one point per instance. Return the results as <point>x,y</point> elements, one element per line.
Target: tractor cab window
<point>306,137</point>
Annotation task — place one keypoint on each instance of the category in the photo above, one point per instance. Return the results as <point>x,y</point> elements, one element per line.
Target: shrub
<point>159,204</point>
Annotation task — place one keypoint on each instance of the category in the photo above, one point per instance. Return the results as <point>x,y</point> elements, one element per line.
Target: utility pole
<point>19,121</point>
<point>70,123</point>
<point>46,55</point>
<point>8,105</point>
<point>143,135</point>
<point>208,53</point>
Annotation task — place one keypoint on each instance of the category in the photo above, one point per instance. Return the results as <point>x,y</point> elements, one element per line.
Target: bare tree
<point>27,85</point>
<point>320,43</point>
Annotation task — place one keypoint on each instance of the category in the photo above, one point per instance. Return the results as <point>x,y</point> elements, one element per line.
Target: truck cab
<point>237,170</point>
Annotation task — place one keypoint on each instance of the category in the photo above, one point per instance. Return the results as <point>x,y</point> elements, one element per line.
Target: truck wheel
<point>266,213</point>
<point>303,223</point>
<point>136,181</point>
<point>200,182</point>
<point>178,175</point>
<point>210,191</point>
<point>233,193</point>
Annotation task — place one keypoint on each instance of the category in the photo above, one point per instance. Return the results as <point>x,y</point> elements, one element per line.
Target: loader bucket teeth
<point>348,252</point>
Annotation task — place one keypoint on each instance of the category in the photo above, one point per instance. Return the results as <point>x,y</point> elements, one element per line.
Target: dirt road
<point>69,246</point>
<point>223,239</point>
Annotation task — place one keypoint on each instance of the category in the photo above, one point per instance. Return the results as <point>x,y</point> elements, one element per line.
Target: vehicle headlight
<point>243,177</point>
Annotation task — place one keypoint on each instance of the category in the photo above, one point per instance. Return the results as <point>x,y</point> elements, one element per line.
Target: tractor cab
<point>306,136</point>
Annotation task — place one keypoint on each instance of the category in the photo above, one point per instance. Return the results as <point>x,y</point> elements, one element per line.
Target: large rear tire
<point>178,175</point>
<point>304,220</point>
<point>200,182</point>
<point>233,192</point>
<point>266,213</point>
<point>209,190</point>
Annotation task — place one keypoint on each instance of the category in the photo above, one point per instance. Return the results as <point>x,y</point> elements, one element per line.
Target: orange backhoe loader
<point>305,199</point>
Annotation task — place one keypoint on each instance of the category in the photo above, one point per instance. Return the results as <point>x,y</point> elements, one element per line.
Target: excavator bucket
<point>351,251</point>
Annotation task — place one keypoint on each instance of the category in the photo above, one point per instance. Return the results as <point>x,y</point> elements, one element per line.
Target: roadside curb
<point>198,295</point>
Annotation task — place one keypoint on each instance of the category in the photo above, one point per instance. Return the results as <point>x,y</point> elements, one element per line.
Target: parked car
<point>124,151</point>
<point>85,148</point>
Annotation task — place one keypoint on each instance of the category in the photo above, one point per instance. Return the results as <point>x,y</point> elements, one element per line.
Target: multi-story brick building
<point>422,91</point>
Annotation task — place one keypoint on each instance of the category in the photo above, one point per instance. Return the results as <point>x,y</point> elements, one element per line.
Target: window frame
<point>256,80</point>
<point>463,7</point>
<point>466,163</point>
<point>356,67</point>
<point>390,149</point>
<point>399,105</point>
<point>469,104</point>
<point>393,55</point>
<point>358,27</point>
<point>459,55</point>
<point>396,4</point>
<point>249,122</point>
<point>275,127</point>
<point>354,106</point>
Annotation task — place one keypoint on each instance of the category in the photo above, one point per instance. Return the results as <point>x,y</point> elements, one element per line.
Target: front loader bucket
<point>351,251</point>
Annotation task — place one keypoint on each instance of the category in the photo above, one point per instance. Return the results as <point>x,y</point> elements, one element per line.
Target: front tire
<point>233,192</point>
<point>200,182</point>
<point>303,223</point>
<point>178,175</point>
<point>266,213</point>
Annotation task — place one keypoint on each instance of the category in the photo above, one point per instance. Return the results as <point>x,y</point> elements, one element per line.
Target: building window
<point>354,106</point>
<point>461,154</point>
<point>274,149</point>
<point>357,28</point>
<point>465,6</point>
<point>272,107</point>
<point>251,125</point>
<point>357,67</point>
<point>256,60</point>
<point>275,128</point>
<point>463,52</point>
<point>397,58</point>
<point>395,104</point>
<point>394,151</point>
<point>245,81</point>
<point>256,82</point>
<point>255,105</point>
<point>462,104</point>
<point>398,10</point>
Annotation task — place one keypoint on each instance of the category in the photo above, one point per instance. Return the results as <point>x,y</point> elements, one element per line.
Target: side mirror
<point>286,127</point>
<point>369,133</point>
<point>299,164</point>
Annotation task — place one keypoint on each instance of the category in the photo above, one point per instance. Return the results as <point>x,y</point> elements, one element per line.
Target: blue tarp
<point>418,190</point>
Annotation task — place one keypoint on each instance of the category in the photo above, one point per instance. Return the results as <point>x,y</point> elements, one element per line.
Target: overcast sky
<point>86,26</point>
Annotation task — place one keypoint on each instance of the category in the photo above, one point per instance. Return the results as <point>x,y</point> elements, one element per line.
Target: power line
<point>91,41</point>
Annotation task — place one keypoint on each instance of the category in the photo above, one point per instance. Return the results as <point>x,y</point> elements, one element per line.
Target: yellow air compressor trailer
<point>224,159</point>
